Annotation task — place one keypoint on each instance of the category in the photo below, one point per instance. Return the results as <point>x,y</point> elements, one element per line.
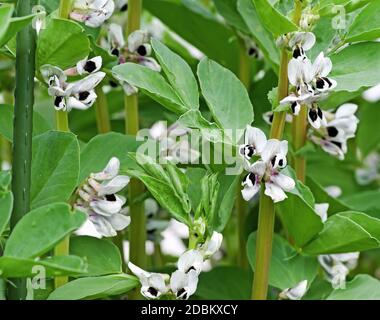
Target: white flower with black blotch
<point>115,40</point>
<point>321,210</point>
<point>191,260</point>
<point>153,285</point>
<point>98,198</point>
<point>121,5</point>
<point>183,285</point>
<point>173,143</point>
<point>295,293</point>
<point>322,67</point>
<point>93,13</point>
<point>300,42</point>
<point>39,21</point>
<point>269,115</point>
<point>338,266</point>
<point>369,172</point>
<point>338,128</point>
<point>267,171</point>
<point>73,95</point>
<point>254,142</point>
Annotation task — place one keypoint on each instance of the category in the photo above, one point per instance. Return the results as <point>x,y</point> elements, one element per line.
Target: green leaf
<point>357,66</point>
<point>95,287</point>
<point>179,75</point>
<point>15,25</point>
<point>272,19</point>
<point>152,84</point>
<point>366,201</point>
<point>62,43</point>
<point>53,266</point>
<point>368,135</point>
<point>6,206</point>
<point>55,167</point>
<point>199,27</point>
<point>40,125</point>
<point>346,232</point>
<point>102,256</point>
<point>94,156</point>
<point>225,95</point>
<point>321,196</point>
<point>194,175</point>
<point>236,284</point>
<point>366,26</point>
<point>362,287</point>
<point>297,213</point>
<point>287,267</point>
<point>262,36</point>
<point>5,180</point>
<point>6,12</point>
<point>228,10</point>
<point>41,229</point>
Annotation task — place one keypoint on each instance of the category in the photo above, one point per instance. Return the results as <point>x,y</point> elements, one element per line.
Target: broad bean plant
<point>189,149</point>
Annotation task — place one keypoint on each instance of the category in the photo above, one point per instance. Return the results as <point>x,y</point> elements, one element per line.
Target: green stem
<point>62,124</point>
<point>265,227</point>
<point>241,204</point>
<point>137,228</point>
<point>23,126</point>
<point>102,114</point>
<point>299,140</point>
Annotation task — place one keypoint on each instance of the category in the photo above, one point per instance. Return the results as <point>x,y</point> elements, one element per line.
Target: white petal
<point>283,181</point>
<point>113,186</point>
<point>110,171</point>
<point>304,39</point>
<point>271,149</point>
<point>191,259</point>
<point>297,292</point>
<point>119,221</point>
<point>248,192</point>
<point>184,285</point>
<point>151,64</point>
<point>87,84</point>
<point>138,272</point>
<point>346,110</point>
<point>74,103</point>
<point>48,70</point>
<point>256,138</point>
<point>116,36</point>
<point>89,66</point>
<point>107,208</point>
<point>102,226</point>
<point>322,66</point>
<point>158,130</point>
<point>136,39</point>
<point>213,244</point>
<point>295,73</point>
<point>321,209</point>
<point>274,192</point>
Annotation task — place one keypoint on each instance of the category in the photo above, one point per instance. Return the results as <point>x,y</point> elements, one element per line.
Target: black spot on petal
<point>83,95</point>
<point>320,83</point>
<point>141,50</point>
<point>153,291</point>
<point>90,66</point>
<point>115,52</point>
<point>313,115</point>
<point>124,8</point>
<point>113,84</point>
<point>111,197</point>
<point>298,52</point>
<point>320,113</point>
<point>328,81</point>
<point>281,162</point>
<point>332,131</point>
<point>253,52</point>
<point>338,144</point>
<point>58,101</point>
<point>191,268</point>
<point>294,106</point>
<point>273,161</point>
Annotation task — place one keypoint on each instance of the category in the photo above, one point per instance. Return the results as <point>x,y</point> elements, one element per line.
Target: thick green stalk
<point>265,227</point>
<point>101,110</point>
<point>62,124</point>
<point>299,140</point>
<point>137,228</point>
<point>23,126</point>
<point>241,204</point>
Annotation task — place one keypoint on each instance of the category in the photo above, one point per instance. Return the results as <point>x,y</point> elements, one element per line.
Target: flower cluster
<point>74,95</point>
<point>174,144</point>
<point>309,80</point>
<point>98,198</point>
<point>271,158</point>
<point>137,49</point>
<point>93,13</point>
<point>340,126</point>
<point>183,282</point>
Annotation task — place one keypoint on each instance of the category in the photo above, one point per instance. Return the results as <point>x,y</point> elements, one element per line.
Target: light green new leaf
<point>362,287</point>
<point>6,206</point>
<point>272,19</point>
<point>287,267</point>
<point>94,156</point>
<point>53,266</point>
<point>366,26</point>
<point>179,74</point>
<point>41,229</point>
<point>91,288</point>
<point>346,232</point>
<point>357,66</point>
<point>152,83</point>
<point>62,43</point>
<point>101,256</point>
<point>225,95</point>
<point>55,167</point>
<point>264,38</point>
